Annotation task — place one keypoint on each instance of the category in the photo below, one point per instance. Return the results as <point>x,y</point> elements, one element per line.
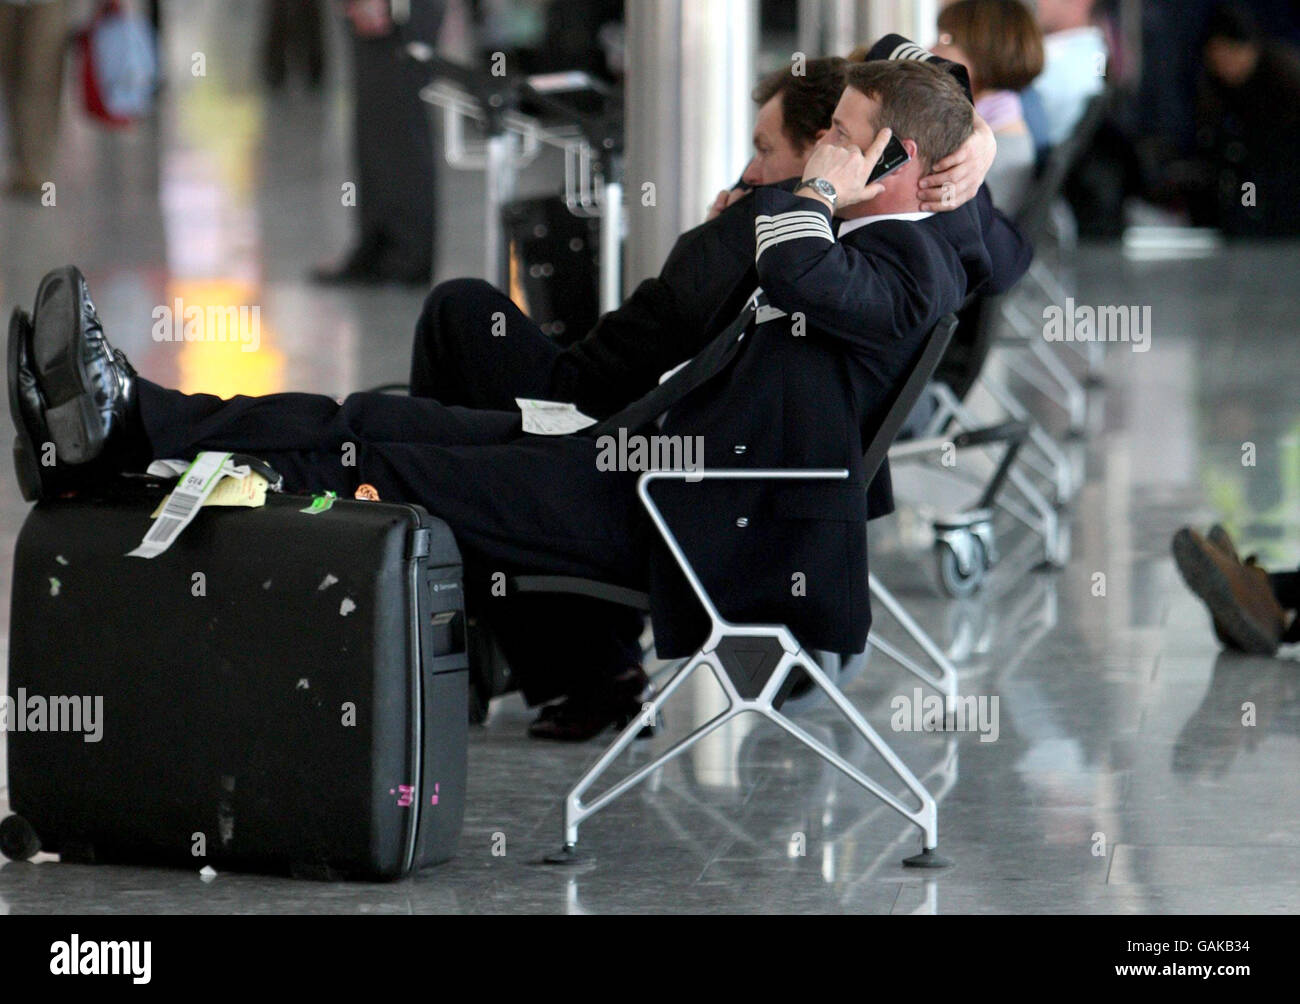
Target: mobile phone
<point>894,157</point>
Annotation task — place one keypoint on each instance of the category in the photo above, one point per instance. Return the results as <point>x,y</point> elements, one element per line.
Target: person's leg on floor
<point>10,40</point>
<point>36,129</point>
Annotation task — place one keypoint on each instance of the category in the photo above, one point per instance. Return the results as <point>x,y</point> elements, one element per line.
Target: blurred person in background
<point>393,145</point>
<point>295,39</point>
<point>1001,47</point>
<point>32,41</point>
<point>1074,69</point>
<point>1248,130</point>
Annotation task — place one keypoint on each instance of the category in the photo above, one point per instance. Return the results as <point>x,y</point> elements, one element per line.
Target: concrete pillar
<point>912,18</point>
<point>690,116</point>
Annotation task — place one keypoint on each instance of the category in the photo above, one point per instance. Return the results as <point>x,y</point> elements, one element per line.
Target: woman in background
<point>1001,45</point>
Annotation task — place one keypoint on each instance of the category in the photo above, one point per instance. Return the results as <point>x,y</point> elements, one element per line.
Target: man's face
<point>854,121</point>
<point>775,156</point>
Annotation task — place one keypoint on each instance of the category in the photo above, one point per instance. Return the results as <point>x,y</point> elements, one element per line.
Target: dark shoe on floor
<point>71,394</point>
<point>358,269</point>
<point>375,262</point>
<point>1220,538</point>
<point>584,716</point>
<point>1239,596</point>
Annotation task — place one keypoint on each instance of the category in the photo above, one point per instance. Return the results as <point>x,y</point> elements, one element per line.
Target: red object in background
<point>98,80</point>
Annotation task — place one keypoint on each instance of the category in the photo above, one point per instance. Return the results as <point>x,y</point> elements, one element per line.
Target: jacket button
<point>740,448</point>
<point>742,522</point>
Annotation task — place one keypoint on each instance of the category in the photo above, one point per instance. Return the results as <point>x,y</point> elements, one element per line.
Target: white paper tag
<point>196,484</point>
<point>552,418</point>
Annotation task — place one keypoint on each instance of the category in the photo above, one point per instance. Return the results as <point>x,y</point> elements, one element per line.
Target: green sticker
<point>321,503</point>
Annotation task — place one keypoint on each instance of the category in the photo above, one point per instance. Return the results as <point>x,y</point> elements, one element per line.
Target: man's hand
<point>726,198</point>
<point>953,181</point>
<point>847,168</point>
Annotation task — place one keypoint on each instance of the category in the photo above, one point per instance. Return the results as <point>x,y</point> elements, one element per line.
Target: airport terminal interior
<point>1121,760</point>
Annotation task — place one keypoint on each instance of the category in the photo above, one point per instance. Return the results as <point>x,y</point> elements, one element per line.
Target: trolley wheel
<point>18,841</point>
<point>959,582</point>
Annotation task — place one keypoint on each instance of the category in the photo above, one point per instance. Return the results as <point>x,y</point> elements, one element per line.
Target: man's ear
<point>910,146</point>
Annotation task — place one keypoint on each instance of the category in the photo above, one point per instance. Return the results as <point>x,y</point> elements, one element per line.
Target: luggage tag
<point>196,485</point>
<point>552,418</point>
<point>248,492</point>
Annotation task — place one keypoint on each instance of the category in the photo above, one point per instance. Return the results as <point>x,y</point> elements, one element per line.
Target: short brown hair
<point>919,102</point>
<point>1001,39</point>
<point>808,99</point>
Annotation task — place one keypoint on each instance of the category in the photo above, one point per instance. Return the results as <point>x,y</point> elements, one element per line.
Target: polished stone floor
<point>1122,778</point>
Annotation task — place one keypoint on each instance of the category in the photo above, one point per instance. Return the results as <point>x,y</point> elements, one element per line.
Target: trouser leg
<point>1286,587</point>
<point>474,347</point>
<point>9,43</point>
<point>394,156</point>
<point>40,76</point>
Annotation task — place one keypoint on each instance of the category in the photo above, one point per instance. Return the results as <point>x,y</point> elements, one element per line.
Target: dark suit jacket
<point>798,556</point>
<point>703,285</point>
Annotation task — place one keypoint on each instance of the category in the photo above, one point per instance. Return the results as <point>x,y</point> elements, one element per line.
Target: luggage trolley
<point>568,111</point>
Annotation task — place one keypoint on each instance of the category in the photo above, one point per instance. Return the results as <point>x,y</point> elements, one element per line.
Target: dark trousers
<point>475,349</point>
<point>1286,587</point>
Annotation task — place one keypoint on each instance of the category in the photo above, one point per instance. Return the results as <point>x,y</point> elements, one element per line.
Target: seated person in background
<point>1252,610</point>
<point>1248,130</point>
<point>1000,45</point>
<point>546,505</point>
<point>1074,68</point>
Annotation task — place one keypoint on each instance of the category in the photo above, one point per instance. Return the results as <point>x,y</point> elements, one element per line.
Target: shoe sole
<point>26,465</point>
<point>70,411</point>
<point>1219,537</point>
<point>1205,579</point>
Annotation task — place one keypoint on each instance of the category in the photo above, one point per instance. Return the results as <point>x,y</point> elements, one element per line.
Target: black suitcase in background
<point>305,713</point>
<point>554,264</point>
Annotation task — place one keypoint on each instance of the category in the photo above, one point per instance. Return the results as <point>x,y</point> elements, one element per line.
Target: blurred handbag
<point>119,66</point>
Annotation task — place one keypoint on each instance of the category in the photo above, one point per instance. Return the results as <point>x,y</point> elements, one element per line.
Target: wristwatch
<point>822,187</point>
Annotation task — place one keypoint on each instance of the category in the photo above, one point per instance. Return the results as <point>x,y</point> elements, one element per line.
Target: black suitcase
<point>554,257</point>
<point>280,691</point>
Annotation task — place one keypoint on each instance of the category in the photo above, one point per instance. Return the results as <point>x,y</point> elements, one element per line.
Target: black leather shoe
<point>71,395</point>
<point>27,409</point>
<point>353,272</point>
<point>580,717</point>
<point>86,387</point>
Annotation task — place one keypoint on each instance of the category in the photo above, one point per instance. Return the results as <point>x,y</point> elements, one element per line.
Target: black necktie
<point>708,363</point>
